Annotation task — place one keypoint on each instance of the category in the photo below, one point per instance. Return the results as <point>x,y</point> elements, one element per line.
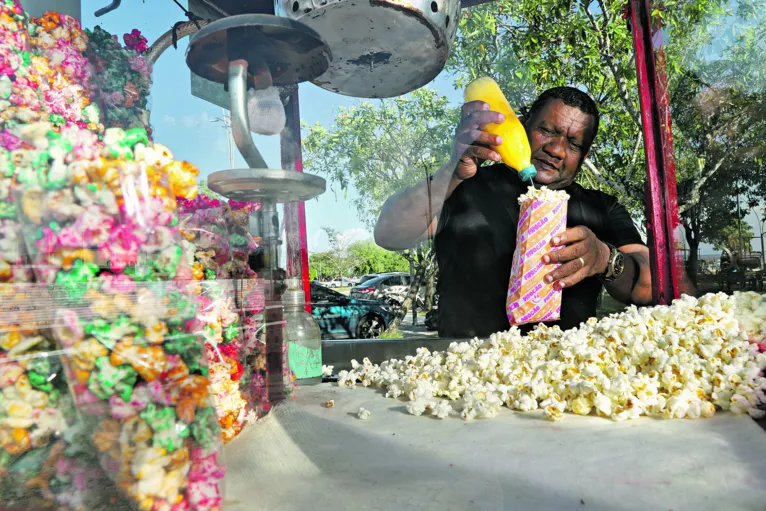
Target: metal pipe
<point>296,237</point>
<point>164,42</point>
<point>109,8</point>
<point>240,123</point>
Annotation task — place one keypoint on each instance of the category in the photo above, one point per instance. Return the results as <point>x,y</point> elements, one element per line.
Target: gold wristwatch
<point>614,267</point>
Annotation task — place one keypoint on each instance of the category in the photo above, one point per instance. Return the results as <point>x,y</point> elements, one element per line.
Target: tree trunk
<point>421,269</point>
<point>692,263</point>
<point>430,287</point>
<point>692,231</point>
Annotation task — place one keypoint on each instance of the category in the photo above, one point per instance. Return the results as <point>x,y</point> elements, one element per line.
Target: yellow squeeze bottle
<point>514,150</point>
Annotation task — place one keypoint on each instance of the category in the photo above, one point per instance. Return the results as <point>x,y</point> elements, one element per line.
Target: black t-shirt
<point>476,239</point>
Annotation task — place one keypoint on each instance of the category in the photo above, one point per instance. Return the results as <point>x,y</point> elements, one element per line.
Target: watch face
<point>619,265</point>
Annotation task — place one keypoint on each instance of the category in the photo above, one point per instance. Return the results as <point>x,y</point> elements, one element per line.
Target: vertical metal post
<point>663,225</point>
<point>267,216</point>
<point>296,237</point>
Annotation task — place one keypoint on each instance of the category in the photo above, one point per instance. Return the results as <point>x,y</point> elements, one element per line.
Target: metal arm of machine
<point>240,123</point>
<point>109,8</point>
<point>167,39</point>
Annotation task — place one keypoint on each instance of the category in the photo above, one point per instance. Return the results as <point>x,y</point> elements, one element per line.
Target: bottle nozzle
<point>528,173</point>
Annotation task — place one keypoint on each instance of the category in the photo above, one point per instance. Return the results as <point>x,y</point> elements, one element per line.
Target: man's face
<point>558,135</point>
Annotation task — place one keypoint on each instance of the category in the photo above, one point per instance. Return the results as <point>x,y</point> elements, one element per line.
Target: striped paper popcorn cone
<point>530,299</point>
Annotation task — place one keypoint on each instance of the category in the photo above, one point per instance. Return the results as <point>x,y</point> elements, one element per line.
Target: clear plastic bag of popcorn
<point>126,307</point>
<point>207,247</point>
<point>45,460</point>
<point>530,299</point>
<point>122,78</point>
<point>252,278</point>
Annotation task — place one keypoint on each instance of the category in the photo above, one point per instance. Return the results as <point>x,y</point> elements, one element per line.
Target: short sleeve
<point>622,231</point>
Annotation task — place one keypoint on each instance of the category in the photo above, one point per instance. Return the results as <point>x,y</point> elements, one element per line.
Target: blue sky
<point>184,123</point>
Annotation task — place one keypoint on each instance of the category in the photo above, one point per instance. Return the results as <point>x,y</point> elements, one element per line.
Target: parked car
<point>380,286</point>
<point>348,281</point>
<point>341,317</point>
<point>366,278</point>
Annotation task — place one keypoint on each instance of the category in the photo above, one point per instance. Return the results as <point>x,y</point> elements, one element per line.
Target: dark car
<point>341,317</point>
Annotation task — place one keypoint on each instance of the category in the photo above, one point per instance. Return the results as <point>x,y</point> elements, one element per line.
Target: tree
<point>374,259</point>
<point>322,264</point>
<point>728,238</point>
<point>340,259</point>
<point>382,148</point>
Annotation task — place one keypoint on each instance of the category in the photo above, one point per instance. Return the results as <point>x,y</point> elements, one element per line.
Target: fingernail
<point>498,140</point>
<point>546,259</point>
<point>556,239</point>
<point>548,279</point>
<point>485,106</point>
<point>500,117</point>
<point>496,157</point>
<point>562,284</point>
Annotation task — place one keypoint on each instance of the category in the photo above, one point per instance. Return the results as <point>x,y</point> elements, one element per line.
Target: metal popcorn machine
<point>381,48</point>
<point>260,51</point>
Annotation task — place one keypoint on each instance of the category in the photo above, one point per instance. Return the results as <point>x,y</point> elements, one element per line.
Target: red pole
<point>296,239</point>
<point>674,233</point>
<point>661,201</point>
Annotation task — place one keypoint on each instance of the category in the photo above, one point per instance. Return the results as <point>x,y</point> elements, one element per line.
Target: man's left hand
<point>581,255</point>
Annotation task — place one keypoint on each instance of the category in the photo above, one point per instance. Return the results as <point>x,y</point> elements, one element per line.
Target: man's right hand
<point>472,144</point>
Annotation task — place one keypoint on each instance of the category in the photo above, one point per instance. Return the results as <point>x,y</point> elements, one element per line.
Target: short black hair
<point>570,97</point>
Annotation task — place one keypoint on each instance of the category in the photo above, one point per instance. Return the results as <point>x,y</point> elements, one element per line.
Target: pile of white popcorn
<point>678,361</point>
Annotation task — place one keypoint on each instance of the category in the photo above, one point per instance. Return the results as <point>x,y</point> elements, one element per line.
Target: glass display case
<point>520,241</point>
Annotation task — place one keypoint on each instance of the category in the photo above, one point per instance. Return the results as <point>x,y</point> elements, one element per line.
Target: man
<point>477,213</point>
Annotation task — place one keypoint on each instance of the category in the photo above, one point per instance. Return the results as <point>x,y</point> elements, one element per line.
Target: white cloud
<point>318,241</point>
<point>169,119</point>
<point>355,234</point>
<point>194,120</point>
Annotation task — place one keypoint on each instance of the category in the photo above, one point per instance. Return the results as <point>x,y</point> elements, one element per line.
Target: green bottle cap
<point>528,173</point>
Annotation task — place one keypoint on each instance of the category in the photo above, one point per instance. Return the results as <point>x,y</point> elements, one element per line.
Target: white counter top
<point>307,457</point>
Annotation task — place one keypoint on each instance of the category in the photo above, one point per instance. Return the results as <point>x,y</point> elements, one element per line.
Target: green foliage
<point>729,238</point>
<point>323,265</point>
<point>382,148</point>
<point>395,334</point>
<point>374,259</point>
<point>361,258</point>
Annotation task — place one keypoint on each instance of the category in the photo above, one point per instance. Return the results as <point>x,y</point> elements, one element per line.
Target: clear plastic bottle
<point>304,348</point>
